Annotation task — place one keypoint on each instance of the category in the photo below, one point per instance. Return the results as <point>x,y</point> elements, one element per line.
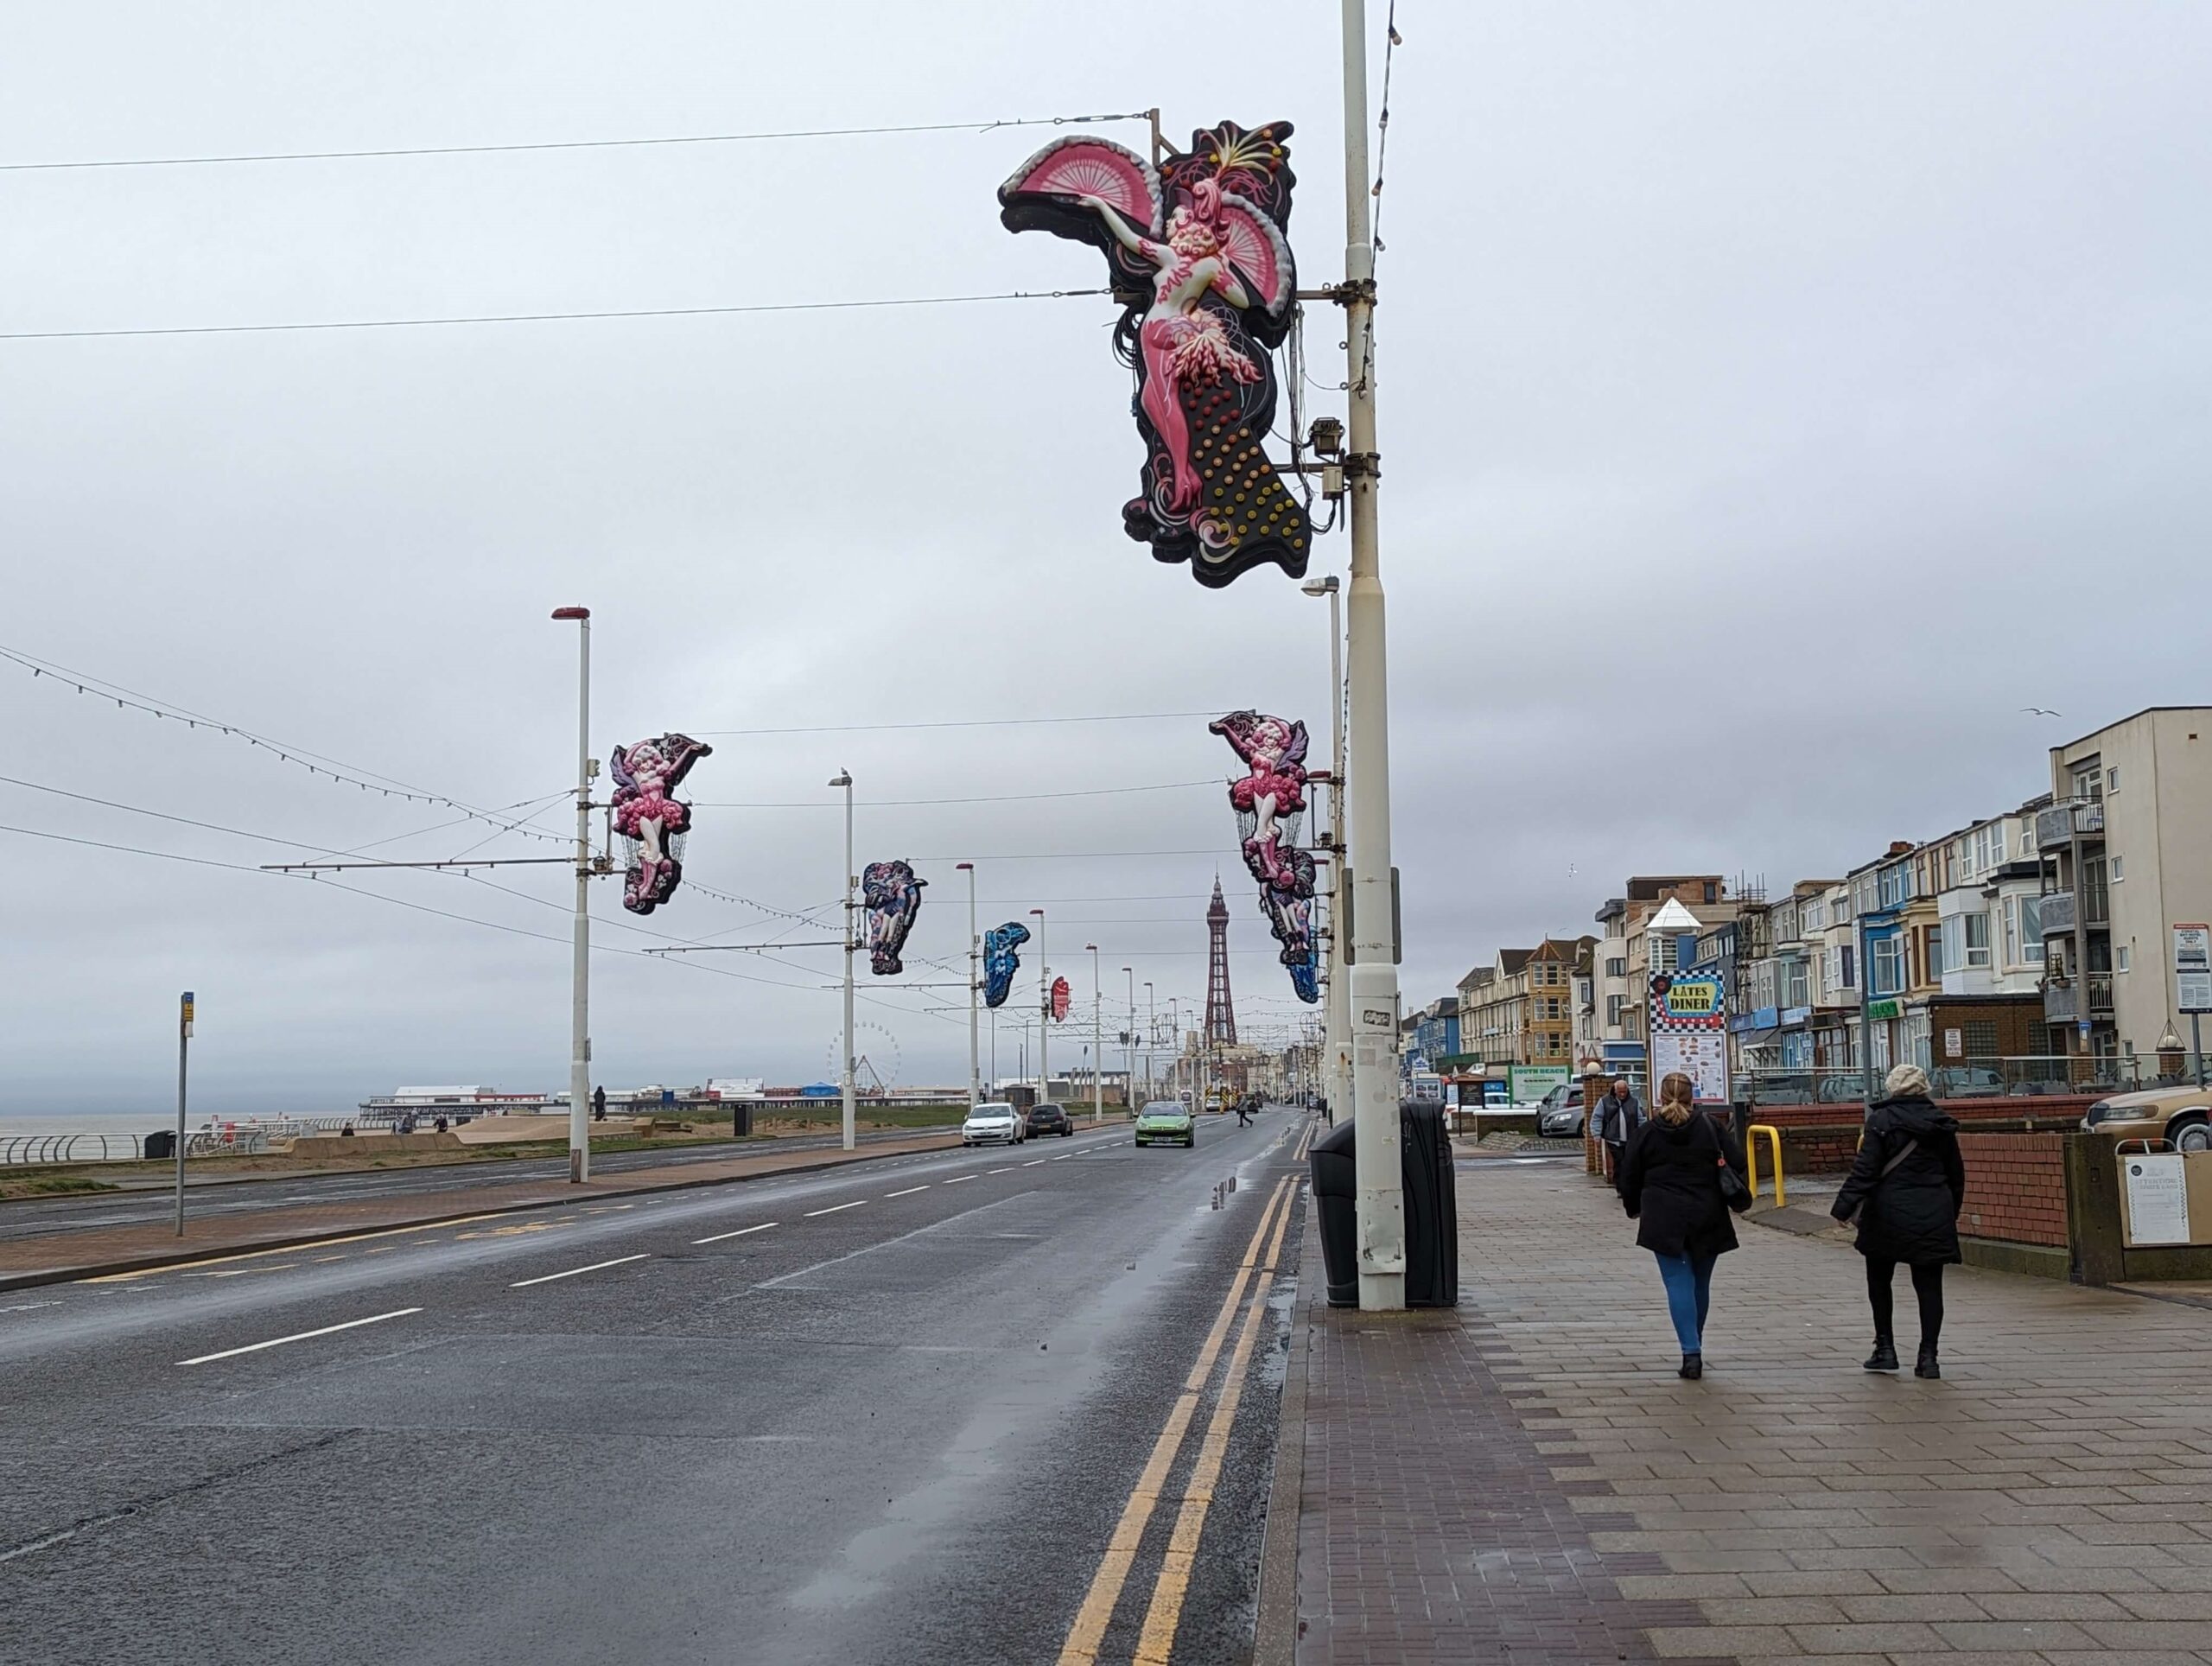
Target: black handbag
<point>1734,1190</point>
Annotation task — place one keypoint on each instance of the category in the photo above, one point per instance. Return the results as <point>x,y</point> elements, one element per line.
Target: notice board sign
<point>2193,968</point>
<point>2156,1192</point>
<point>1702,1058</point>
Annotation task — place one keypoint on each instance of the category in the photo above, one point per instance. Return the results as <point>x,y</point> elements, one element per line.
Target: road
<point>894,1412</point>
<point>41,1217</point>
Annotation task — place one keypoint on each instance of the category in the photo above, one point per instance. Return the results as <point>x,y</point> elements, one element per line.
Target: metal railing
<point>21,1149</point>
<point>2010,1076</point>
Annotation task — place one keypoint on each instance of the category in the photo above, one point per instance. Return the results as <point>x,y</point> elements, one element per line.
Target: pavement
<point>1525,1480</point>
<point>1012,1405</point>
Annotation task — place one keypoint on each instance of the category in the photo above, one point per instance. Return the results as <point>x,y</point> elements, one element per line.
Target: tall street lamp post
<point>974,978</point>
<point>1151,1035</point>
<point>1097,1059</point>
<point>1379,1195</point>
<point>1336,1068</point>
<point>1044,1011</point>
<point>1129,1053</point>
<point>580,965</point>
<point>844,777</point>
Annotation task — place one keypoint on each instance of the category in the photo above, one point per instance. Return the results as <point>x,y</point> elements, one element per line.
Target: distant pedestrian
<point>1670,1185</point>
<point>598,1105</point>
<point>1905,1192</point>
<point>1615,1123</point>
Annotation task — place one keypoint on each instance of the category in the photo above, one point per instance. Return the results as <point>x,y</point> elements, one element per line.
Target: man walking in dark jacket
<point>1615,1120</point>
<point>1906,1189</point>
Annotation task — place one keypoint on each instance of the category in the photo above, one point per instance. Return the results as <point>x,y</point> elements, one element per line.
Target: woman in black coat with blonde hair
<point>1906,1188</point>
<point>1669,1183</point>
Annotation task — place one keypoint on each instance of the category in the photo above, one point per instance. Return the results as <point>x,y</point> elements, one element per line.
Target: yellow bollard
<point>1752,1158</point>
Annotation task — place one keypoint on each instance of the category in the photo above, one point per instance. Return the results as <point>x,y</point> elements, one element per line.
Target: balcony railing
<point>2062,1004</point>
<point>2100,994</point>
<point>2007,1078</point>
<point>2059,913</point>
<point>2063,821</point>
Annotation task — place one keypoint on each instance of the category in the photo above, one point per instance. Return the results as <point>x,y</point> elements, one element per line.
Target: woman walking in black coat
<point>1906,1189</point>
<point>1669,1183</point>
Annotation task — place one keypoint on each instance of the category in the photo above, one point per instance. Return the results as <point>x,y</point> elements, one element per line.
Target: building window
<point>1935,952</point>
<point>1797,991</point>
<point>2117,868</point>
<point>1976,941</point>
<point>2127,955</point>
<point>1886,957</point>
<point>2032,930</point>
<point>1713,891</point>
<point>1613,1005</point>
<point>1617,966</point>
<point>2112,780</point>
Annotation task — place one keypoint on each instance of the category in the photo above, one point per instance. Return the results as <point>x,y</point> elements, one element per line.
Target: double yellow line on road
<point>1163,1612</point>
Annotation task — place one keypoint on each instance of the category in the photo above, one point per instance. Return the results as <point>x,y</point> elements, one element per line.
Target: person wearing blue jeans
<point>1688,1280</point>
<point>1669,1183</point>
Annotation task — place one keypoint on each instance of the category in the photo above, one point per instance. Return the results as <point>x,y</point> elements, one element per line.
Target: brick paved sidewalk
<point>25,1262</point>
<point>1527,1480</point>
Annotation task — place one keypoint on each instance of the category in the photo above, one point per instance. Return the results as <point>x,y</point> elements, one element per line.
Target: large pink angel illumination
<point>648,815</point>
<point>1207,284</point>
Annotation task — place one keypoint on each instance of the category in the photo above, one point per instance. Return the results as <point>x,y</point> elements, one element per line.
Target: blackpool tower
<point>1221,1016</point>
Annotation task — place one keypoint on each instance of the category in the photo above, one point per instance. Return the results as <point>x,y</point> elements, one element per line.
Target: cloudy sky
<point>1774,400</point>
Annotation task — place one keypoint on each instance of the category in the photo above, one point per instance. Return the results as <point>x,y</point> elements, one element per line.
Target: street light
<point>1378,1184</point>
<point>1129,1053</point>
<point>580,970</point>
<point>975,948</point>
<point>1337,1013</point>
<point>1150,1035</point>
<point>1097,1059</point>
<point>844,777</point>
<point>1044,1011</point>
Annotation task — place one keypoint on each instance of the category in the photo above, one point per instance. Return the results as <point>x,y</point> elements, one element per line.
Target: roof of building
<point>1674,917</point>
<point>2119,721</point>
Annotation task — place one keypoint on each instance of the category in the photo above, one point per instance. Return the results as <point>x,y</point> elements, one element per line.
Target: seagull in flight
<point>2042,711</point>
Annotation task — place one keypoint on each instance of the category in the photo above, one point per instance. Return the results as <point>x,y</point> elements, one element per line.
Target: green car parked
<point>1165,1121</point>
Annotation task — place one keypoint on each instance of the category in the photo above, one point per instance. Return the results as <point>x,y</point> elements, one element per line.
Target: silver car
<point>995,1123</point>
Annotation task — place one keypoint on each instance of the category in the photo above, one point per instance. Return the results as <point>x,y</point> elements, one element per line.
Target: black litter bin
<point>1432,1207</point>
<point>161,1143</point>
<point>1330,1162</point>
<point>1432,1210</point>
<point>740,1119</point>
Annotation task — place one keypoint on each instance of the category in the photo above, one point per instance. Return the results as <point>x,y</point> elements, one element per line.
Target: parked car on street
<point>1164,1122</point>
<point>1559,1113</point>
<point>994,1123</point>
<point>2180,1116</point>
<point>1051,1118</point>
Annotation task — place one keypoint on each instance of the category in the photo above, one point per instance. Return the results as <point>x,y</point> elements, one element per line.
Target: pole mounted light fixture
<point>843,779</point>
<point>580,970</point>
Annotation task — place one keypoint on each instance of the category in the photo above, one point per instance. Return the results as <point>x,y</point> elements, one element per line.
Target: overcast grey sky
<point>1774,399</point>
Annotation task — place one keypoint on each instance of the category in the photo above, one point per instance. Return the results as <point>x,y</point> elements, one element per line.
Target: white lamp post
<point>580,968</point>
<point>1044,1011</point>
<point>975,979</point>
<point>844,777</point>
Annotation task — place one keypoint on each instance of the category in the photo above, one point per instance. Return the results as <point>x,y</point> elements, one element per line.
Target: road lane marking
<point>956,1180</point>
<point>596,1266</point>
<point>279,1341</point>
<point>835,1208</point>
<point>1156,1642</point>
<point>1037,1162</point>
<point>909,1191</point>
<point>1008,1169</point>
<point>1089,1629</point>
<point>739,1233</point>
<point>286,1250</point>
<point>887,1244</point>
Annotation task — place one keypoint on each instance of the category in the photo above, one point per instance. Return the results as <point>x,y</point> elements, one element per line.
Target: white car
<point>993,1124</point>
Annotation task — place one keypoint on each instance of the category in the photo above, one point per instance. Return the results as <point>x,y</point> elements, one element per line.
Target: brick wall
<point>1823,1139</point>
<point>2016,1187</point>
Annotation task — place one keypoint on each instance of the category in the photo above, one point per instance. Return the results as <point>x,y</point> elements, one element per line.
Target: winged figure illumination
<point>1268,800</point>
<point>1000,960</point>
<point>650,818</point>
<point>893,897</point>
<point>1204,274</point>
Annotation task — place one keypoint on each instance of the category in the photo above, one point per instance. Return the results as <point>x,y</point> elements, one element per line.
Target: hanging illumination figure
<point>1200,265</point>
<point>1000,963</point>
<point>893,898</point>
<point>650,820</point>
<point>1270,802</point>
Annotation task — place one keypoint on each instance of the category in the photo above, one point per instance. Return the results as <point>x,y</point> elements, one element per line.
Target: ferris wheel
<point>876,1059</point>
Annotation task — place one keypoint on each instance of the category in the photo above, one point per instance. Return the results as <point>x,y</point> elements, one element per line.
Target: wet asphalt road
<point>900,1424</point>
<point>39,1217</point>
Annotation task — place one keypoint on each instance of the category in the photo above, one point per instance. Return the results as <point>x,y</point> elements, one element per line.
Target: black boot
<point>1884,1356</point>
<point>1692,1367</point>
<point>1927,1366</point>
